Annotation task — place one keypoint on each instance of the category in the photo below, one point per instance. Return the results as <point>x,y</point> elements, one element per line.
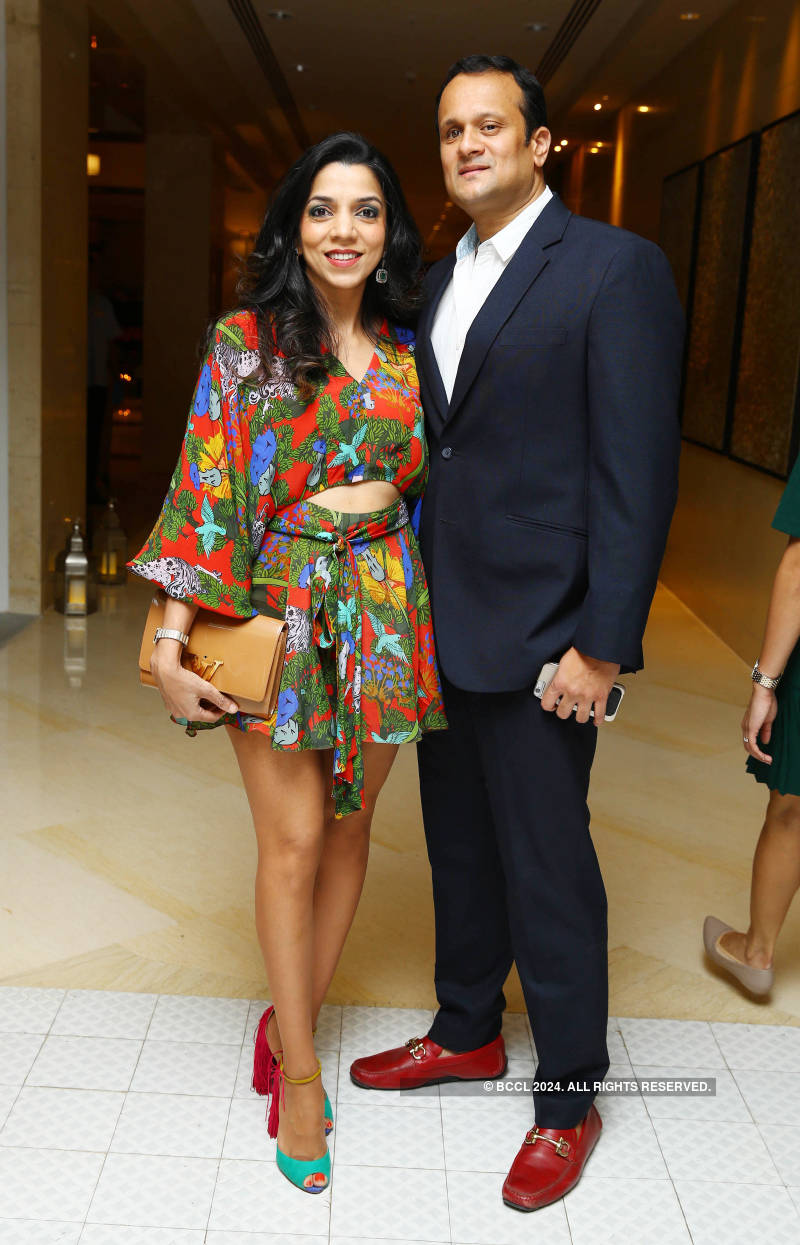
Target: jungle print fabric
<point>237,535</point>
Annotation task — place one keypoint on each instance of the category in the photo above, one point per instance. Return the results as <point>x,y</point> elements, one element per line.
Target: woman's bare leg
<point>342,870</point>
<point>341,873</point>
<point>776,879</point>
<point>286,792</point>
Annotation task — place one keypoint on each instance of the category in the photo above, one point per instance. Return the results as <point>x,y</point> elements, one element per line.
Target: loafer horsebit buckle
<point>562,1146</point>
<point>416,1048</point>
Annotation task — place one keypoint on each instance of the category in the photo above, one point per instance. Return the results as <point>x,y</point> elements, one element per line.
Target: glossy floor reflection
<point>128,851</point>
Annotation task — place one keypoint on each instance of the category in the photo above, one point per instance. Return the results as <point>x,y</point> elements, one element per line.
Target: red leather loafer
<point>550,1163</point>
<point>421,1062</point>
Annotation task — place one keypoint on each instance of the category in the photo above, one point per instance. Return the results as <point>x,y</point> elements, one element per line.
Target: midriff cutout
<point>363,498</point>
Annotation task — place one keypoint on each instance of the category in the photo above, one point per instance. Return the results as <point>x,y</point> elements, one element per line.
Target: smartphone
<point>547,674</point>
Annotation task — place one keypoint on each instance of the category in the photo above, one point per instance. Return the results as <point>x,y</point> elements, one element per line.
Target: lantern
<point>110,548</point>
<point>75,582</point>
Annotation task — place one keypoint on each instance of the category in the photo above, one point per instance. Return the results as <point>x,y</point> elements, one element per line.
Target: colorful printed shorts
<point>360,661</point>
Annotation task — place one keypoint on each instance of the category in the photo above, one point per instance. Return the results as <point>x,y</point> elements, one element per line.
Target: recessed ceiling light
<point>280,15</point>
<point>557,147</point>
<point>643,108</point>
<point>300,68</point>
<point>690,17</point>
<point>564,142</point>
<point>536,27</point>
<point>593,150</point>
<point>597,107</point>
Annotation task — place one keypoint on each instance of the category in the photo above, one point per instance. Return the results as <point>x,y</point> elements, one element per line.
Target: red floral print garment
<point>239,533</point>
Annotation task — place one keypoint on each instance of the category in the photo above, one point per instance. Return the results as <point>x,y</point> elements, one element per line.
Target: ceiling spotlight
<point>643,108</point>
<point>564,142</point>
<point>597,107</point>
<point>300,68</point>
<point>557,147</point>
<point>598,145</point>
<point>690,17</point>
<point>536,27</point>
<point>280,15</point>
<point>593,150</point>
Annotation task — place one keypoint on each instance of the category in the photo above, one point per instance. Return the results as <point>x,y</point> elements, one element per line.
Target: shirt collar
<point>506,241</point>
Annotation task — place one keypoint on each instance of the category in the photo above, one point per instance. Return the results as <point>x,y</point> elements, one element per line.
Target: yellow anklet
<point>301,1080</point>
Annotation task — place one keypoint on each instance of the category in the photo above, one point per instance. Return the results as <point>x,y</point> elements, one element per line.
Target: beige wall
<point>722,552</point>
<point>65,241</point>
<point>23,162</point>
<point>46,92</point>
<point>741,75</point>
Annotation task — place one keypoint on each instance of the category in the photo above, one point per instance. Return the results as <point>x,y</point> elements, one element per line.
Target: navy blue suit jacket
<point>554,467</point>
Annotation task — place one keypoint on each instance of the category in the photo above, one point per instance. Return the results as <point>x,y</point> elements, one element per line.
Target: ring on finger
<point>745,739</point>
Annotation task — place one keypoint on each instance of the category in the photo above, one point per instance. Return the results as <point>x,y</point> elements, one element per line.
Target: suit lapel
<point>522,270</point>
<point>427,366</point>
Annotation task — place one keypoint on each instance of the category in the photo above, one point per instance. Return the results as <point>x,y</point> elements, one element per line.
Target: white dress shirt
<point>478,269</point>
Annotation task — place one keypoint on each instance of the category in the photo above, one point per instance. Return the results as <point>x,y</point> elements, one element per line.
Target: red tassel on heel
<point>277,1100</point>
<point>263,1057</point>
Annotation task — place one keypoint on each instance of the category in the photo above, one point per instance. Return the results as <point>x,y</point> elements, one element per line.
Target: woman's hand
<point>182,691</point>
<point>757,721</point>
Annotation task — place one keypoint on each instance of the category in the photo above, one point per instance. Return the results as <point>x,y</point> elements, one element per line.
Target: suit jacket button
<point>447,452</point>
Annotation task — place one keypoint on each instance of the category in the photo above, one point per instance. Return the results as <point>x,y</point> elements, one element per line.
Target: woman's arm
<point>780,637</point>
<point>181,690</point>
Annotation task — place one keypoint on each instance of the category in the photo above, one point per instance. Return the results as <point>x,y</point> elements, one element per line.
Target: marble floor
<point>128,1119</point>
<point>128,853</point>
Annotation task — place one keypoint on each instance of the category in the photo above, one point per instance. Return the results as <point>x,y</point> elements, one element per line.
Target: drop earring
<point>381,275</point>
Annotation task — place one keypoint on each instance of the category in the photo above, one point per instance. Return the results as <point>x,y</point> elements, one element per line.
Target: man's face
<point>486,162</point>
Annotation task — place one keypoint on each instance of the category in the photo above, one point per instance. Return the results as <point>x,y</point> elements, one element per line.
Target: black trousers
<point>516,878</point>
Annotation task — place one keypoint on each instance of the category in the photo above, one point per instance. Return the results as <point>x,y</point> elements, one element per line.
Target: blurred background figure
<point>771,737</point>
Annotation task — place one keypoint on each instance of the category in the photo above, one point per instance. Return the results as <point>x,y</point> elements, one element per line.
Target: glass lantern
<point>76,590</point>
<point>110,548</point>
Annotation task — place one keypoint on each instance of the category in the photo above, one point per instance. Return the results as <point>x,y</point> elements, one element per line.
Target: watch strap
<point>168,633</point>
<point>764,680</point>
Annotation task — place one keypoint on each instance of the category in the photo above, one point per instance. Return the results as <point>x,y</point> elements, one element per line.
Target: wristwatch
<point>763,680</point>
<point>167,633</point>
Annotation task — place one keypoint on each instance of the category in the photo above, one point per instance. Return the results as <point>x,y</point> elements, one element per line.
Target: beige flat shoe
<point>756,980</point>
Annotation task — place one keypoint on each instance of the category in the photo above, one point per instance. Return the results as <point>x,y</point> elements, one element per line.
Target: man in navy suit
<point>550,358</point>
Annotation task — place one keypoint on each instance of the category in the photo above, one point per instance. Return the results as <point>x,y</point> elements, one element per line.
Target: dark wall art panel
<point>678,209</point>
<point>768,365</point>
<point>715,299</point>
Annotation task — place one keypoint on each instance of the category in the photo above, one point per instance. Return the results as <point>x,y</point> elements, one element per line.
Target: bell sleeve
<point>200,549</point>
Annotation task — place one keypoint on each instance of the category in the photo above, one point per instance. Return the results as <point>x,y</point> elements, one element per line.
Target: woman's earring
<point>381,275</point>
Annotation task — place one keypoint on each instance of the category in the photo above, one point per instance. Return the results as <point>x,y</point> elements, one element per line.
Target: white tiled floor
<point>128,1120</point>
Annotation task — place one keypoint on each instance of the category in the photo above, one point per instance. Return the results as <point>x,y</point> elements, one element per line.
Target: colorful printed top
<point>253,447</point>
<point>238,534</point>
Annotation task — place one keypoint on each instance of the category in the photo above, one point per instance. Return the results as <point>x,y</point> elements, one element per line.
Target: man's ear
<point>540,143</point>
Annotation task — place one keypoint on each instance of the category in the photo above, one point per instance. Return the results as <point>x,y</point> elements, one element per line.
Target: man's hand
<point>580,681</point>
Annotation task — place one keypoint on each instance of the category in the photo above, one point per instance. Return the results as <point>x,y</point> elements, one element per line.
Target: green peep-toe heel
<point>297,1170</point>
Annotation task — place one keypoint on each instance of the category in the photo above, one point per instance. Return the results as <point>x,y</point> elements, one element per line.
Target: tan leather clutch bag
<point>242,657</point>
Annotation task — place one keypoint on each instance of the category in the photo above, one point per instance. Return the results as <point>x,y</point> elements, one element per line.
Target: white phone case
<point>548,673</point>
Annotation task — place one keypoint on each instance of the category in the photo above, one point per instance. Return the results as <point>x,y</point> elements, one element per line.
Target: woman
<point>304,447</point>
<point>771,737</point>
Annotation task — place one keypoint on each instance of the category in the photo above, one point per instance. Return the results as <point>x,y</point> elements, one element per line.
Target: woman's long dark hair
<point>291,316</point>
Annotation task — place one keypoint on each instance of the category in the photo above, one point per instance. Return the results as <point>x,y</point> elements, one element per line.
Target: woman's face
<point>343,228</point>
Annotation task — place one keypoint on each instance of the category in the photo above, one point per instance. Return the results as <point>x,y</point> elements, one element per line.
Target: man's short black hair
<point>532,107</point>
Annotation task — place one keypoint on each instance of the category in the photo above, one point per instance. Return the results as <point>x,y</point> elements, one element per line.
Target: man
<point>550,359</point>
